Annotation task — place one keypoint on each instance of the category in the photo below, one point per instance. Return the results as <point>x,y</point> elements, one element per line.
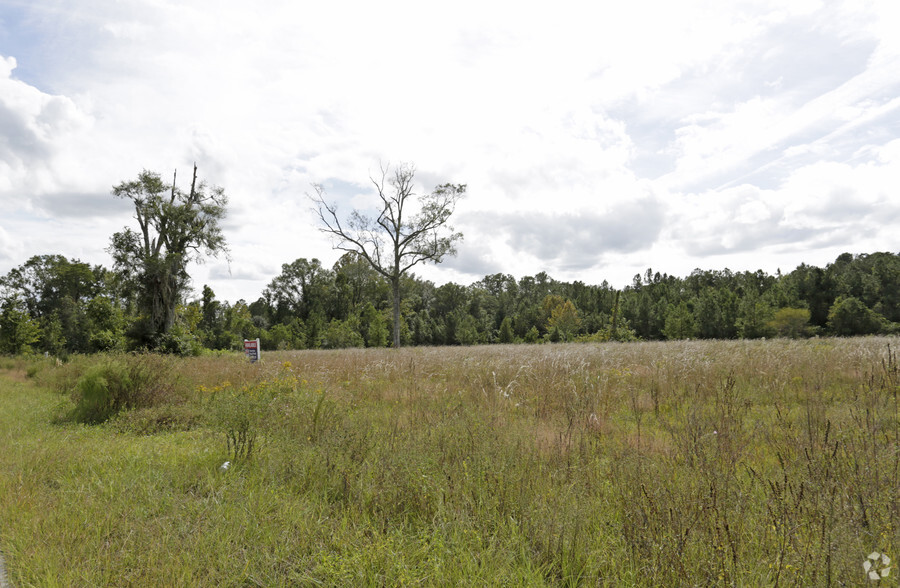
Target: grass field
<point>745,463</point>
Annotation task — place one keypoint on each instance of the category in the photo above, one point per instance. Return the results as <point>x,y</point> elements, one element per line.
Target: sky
<point>596,139</point>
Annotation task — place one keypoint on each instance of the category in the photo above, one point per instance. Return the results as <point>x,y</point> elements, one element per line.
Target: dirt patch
<point>18,376</point>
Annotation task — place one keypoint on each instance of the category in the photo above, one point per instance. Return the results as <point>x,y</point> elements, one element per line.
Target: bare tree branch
<point>414,239</point>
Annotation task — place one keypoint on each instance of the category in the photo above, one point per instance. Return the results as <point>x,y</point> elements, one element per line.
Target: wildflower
<point>225,466</point>
<point>877,565</point>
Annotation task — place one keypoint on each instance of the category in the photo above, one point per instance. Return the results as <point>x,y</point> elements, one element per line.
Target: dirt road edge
<point>4,583</point>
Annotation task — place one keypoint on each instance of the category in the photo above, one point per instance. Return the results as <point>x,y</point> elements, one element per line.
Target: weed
<point>768,463</point>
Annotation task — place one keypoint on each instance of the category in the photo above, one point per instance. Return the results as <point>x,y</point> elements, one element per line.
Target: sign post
<point>251,348</point>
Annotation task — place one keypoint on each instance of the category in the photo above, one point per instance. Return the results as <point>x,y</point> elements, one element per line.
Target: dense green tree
<point>356,284</point>
<point>55,293</point>
<point>715,313</point>
<point>105,325</point>
<point>46,283</point>
<point>339,334</point>
<point>373,326</point>
<point>849,316</point>
<point>814,287</point>
<point>506,333</point>
<point>278,337</point>
<point>449,305</point>
<point>679,322</point>
<point>754,315</point>
<point>885,268</point>
<point>238,325</point>
<point>52,337</point>
<point>302,288</point>
<point>74,307</point>
<point>483,307</point>
<point>564,319</point>
<point>466,330</point>
<point>874,279</point>
<point>501,290</point>
<point>18,331</point>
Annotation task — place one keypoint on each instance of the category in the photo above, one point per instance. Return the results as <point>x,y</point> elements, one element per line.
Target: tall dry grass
<point>649,464</point>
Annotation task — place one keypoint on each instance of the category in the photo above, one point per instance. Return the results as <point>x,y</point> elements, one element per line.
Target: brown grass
<point>655,464</point>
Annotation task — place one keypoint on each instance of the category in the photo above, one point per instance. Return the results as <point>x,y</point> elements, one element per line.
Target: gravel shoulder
<point>4,583</point>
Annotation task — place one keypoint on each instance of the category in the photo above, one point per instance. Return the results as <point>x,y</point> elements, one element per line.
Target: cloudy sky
<point>597,139</point>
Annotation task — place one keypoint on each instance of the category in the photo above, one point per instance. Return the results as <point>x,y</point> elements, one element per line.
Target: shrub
<point>790,322</point>
<point>123,382</point>
<point>532,336</point>
<point>102,391</point>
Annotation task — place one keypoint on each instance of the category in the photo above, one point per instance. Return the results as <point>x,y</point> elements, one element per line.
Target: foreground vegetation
<point>748,463</point>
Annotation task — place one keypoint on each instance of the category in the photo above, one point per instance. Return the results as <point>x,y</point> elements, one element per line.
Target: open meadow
<point>728,463</point>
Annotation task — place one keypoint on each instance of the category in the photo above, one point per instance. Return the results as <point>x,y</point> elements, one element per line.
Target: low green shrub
<point>124,382</point>
<point>103,391</point>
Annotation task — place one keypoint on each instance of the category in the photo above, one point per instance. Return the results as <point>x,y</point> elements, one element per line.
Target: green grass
<point>756,463</point>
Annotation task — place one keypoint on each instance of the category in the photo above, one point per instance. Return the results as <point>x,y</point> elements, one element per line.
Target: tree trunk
<point>615,318</point>
<point>163,293</point>
<point>395,286</point>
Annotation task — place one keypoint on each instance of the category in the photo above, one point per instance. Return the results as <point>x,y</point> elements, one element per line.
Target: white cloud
<point>736,117</point>
<point>10,249</point>
<point>825,206</point>
<point>37,131</point>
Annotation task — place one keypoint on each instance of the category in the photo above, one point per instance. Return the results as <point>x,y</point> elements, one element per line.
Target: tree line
<point>369,298</point>
<point>58,305</point>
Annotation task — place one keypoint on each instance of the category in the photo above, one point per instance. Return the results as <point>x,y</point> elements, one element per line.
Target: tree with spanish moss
<point>175,228</point>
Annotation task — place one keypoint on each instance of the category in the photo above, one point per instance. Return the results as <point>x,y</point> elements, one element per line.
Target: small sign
<point>251,348</point>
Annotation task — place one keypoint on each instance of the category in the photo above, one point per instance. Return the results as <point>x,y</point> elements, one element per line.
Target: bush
<point>102,391</point>
<point>790,322</point>
<point>623,334</point>
<point>124,382</point>
<point>532,336</point>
